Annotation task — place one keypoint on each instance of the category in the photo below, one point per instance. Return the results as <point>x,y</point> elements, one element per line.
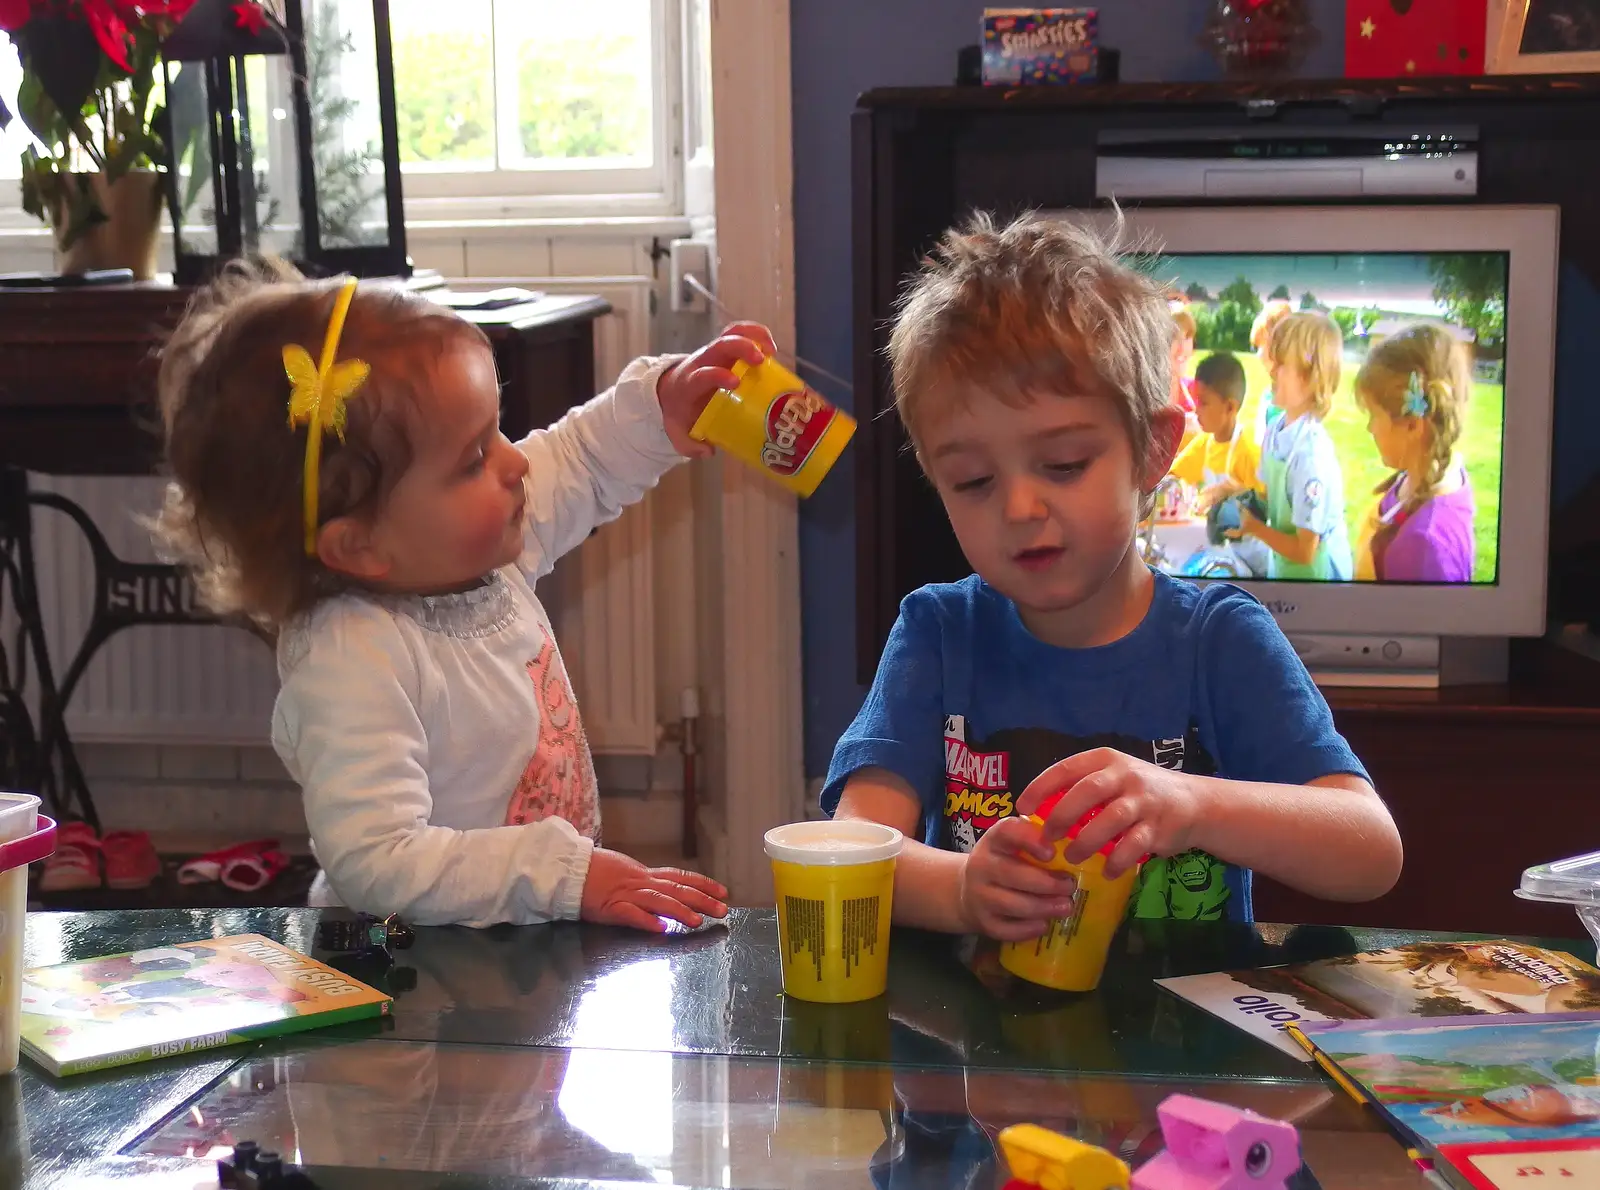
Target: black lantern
<point>283,116</point>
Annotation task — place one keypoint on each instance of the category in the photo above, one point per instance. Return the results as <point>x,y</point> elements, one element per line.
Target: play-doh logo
<point>796,422</point>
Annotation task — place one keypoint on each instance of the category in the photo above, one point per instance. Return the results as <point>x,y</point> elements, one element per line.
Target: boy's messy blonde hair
<point>1442,369</point>
<point>1314,344</point>
<point>1274,312</point>
<point>1038,306</point>
<point>233,510</point>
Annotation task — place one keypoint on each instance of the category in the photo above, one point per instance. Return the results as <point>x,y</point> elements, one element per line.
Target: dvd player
<point>1300,163</point>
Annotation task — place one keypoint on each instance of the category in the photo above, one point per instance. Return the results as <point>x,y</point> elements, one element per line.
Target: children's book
<point>170,1000</point>
<point>1494,1102</point>
<point>1419,979</point>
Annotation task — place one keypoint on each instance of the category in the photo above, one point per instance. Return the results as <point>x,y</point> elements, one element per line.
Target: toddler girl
<point>1414,389</point>
<point>339,475</point>
<point>1305,527</point>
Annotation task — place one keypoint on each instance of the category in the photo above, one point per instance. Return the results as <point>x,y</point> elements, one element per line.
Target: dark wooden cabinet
<point>1484,782</point>
<point>78,368</point>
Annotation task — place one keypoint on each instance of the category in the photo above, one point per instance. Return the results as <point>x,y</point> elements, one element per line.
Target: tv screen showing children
<point>1345,417</point>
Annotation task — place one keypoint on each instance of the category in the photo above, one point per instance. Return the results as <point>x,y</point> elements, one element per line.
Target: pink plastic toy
<point>1214,1147</point>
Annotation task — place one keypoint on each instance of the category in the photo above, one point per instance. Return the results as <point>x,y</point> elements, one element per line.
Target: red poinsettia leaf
<point>14,14</point>
<point>249,17</point>
<point>110,31</point>
<point>63,55</point>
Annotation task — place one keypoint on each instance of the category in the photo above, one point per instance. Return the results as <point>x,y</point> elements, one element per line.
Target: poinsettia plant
<point>87,95</point>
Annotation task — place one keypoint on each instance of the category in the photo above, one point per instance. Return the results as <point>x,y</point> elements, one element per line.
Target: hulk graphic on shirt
<point>1187,887</point>
<point>984,774</point>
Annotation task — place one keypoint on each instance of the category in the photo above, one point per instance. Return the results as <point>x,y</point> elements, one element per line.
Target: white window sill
<point>20,234</point>
<point>555,226</point>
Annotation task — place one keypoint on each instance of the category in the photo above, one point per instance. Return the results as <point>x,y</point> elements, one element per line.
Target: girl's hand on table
<point>620,891</point>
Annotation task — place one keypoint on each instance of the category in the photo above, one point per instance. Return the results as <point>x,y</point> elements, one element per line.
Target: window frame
<point>445,197</point>
<point>450,196</point>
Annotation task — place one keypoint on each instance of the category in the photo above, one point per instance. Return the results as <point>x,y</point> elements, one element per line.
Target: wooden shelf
<point>1549,685</point>
<point>1360,93</point>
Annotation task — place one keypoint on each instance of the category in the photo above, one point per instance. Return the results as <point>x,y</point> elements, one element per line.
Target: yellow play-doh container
<point>775,423</point>
<point>1070,955</point>
<point>835,890</point>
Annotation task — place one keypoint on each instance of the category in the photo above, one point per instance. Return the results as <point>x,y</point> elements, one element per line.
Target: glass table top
<point>595,1056</point>
<point>380,1113</point>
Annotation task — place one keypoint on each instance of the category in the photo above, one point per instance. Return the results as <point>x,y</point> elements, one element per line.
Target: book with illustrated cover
<point>1419,979</point>
<point>1495,1102</point>
<point>168,1000</point>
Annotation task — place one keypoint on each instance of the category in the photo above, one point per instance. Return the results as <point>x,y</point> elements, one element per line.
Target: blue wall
<point>841,48</point>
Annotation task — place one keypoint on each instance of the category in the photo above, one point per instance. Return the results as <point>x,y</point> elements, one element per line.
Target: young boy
<point>1305,525</point>
<point>1031,369</point>
<point>1223,460</point>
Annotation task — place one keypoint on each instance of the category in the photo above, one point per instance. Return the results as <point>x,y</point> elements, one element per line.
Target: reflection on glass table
<point>349,1111</point>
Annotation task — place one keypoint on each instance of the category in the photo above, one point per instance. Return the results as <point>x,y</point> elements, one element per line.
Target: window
<point>15,138</point>
<point>539,106</point>
<point>508,108</point>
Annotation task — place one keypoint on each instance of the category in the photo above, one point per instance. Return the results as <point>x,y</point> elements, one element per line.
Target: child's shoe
<point>76,862</point>
<point>131,860</point>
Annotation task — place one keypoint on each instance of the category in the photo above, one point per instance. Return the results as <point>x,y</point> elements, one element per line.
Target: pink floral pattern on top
<point>559,781</point>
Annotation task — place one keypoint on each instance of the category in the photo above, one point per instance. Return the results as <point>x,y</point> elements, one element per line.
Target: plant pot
<point>127,239</point>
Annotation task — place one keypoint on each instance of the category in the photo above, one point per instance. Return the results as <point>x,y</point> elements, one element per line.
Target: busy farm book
<point>1418,979</point>
<point>179,999</point>
<point>1492,1102</point>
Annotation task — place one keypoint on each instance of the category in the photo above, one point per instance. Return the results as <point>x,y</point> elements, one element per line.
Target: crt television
<point>1483,275</point>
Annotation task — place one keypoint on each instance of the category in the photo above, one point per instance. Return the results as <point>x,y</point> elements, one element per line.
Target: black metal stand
<point>126,595</point>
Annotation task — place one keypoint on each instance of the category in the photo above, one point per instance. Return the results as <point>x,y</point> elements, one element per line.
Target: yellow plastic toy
<point>1050,1161</point>
<point>777,424</point>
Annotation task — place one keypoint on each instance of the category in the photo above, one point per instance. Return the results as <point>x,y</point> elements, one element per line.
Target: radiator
<point>216,685</point>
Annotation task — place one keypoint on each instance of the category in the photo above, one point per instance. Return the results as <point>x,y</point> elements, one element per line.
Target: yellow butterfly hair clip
<point>317,398</point>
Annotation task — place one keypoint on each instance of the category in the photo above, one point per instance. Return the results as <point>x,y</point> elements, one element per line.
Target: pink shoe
<point>131,860</point>
<point>76,862</point>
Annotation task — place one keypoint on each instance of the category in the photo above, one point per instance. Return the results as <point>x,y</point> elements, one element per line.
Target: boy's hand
<point>1002,894</point>
<point>1250,525</point>
<point>684,389</point>
<point>1154,809</point>
<point>620,891</point>
<point>1215,494</point>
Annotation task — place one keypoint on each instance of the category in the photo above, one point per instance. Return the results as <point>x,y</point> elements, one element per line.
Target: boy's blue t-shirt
<point>968,707</point>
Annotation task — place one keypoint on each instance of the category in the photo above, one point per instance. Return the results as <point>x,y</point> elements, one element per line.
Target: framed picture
<point>1544,36</point>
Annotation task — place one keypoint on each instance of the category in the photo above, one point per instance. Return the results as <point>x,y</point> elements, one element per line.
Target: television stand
<point>1338,659</point>
<point>1484,781</point>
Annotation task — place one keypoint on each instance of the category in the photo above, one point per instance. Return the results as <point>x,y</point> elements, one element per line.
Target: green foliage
<point>1280,294</point>
<point>1346,319</point>
<point>1241,293</point>
<point>579,99</point>
<point>1471,286</point>
<point>1223,327</point>
<point>346,189</point>
<point>115,129</point>
<point>1196,292</point>
<point>444,97</point>
<point>1308,301</point>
